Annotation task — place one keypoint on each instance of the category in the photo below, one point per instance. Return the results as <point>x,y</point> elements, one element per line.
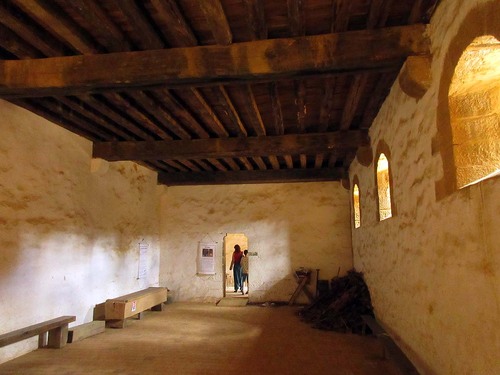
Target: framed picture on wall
<point>206,258</point>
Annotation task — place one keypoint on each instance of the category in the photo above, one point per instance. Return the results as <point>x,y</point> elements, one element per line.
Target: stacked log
<point>340,309</point>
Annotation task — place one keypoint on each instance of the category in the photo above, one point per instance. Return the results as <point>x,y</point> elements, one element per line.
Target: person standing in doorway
<point>244,271</point>
<point>236,267</point>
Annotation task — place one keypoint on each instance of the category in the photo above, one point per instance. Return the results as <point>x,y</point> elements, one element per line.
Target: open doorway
<point>230,240</point>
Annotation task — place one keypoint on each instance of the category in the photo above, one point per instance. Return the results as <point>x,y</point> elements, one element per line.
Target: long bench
<point>57,333</point>
<point>391,349</point>
<point>117,310</point>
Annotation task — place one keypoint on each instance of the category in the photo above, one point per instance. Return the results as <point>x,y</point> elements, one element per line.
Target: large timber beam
<point>231,147</point>
<point>262,60</point>
<point>250,177</point>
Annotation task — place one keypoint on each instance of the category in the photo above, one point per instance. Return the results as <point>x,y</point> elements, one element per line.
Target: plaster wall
<point>69,226</point>
<point>434,268</point>
<point>288,225</point>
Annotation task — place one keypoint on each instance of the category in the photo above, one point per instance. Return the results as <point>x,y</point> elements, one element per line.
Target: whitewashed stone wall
<point>68,236</point>
<point>434,268</point>
<point>288,225</point>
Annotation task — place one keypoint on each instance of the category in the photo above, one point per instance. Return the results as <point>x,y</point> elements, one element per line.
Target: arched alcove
<point>474,102</point>
<point>468,104</point>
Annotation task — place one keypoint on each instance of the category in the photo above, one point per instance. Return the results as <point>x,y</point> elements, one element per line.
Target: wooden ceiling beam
<point>217,21</point>
<point>232,147</point>
<point>91,16</point>
<point>172,23</point>
<point>300,102</point>
<point>254,112</point>
<point>127,107</point>
<point>326,104</point>
<point>279,128</point>
<point>12,43</point>
<point>55,115</point>
<point>231,112</point>
<point>52,19</point>
<point>250,177</point>
<point>296,22</point>
<point>116,115</point>
<point>246,163</point>
<point>378,14</point>
<point>288,161</point>
<point>216,125</point>
<point>181,113</point>
<point>262,60</point>
<point>256,19</point>
<point>340,15</point>
<point>143,35</point>
<point>354,96</point>
<point>160,113</point>
<point>28,32</point>
<point>274,161</point>
<point>118,131</point>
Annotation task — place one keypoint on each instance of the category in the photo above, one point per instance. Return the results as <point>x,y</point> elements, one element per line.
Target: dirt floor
<point>189,338</point>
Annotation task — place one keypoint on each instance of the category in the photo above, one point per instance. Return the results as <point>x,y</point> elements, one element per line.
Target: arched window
<point>468,138</point>
<point>474,102</point>
<point>383,188</point>
<point>356,206</point>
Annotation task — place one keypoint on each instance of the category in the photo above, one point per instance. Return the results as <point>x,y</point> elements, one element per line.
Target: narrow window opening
<point>384,188</point>
<point>357,211</point>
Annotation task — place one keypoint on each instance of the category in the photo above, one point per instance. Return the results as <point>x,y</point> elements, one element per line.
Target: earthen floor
<point>189,338</point>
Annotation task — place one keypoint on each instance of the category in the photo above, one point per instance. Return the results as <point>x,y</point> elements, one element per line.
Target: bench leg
<point>58,337</point>
<point>42,340</point>
<point>157,307</point>
<point>115,323</point>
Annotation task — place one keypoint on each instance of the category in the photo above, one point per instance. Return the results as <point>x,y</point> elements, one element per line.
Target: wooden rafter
<point>117,116</point>
<point>231,112</point>
<point>356,91</point>
<point>51,19</point>
<point>256,19</point>
<point>231,147</point>
<point>250,177</point>
<point>28,32</point>
<point>160,113</point>
<point>126,106</point>
<point>217,21</point>
<point>279,128</point>
<point>326,104</point>
<point>172,23</point>
<point>296,18</point>
<point>142,33</point>
<point>257,123</point>
<point>343,52</point>
<point>97,22</point>
<point>217,126</point>
<point>182,113</point>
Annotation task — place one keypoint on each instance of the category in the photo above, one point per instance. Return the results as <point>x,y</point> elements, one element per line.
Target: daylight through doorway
<point>230,240</point>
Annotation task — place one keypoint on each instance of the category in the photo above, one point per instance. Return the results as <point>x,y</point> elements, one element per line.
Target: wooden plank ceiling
<point>212,91</point>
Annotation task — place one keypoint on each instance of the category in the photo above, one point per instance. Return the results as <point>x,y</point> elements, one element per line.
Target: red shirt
<point>237,257</point>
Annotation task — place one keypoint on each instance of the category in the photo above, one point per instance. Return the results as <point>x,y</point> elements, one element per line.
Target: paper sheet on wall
<point>206,258</point>
<point>143,255</point>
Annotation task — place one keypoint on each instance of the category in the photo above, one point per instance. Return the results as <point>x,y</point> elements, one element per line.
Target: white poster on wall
<point>206,258</point>
<point>143,256</point>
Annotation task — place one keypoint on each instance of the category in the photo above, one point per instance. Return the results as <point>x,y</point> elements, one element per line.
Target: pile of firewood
<point>340,308</point>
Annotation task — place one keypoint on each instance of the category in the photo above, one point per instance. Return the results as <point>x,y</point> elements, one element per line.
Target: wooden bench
<point>117,310</point>
<point>85,330</point>
<point>57,333</point>
<point>391,349</point>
